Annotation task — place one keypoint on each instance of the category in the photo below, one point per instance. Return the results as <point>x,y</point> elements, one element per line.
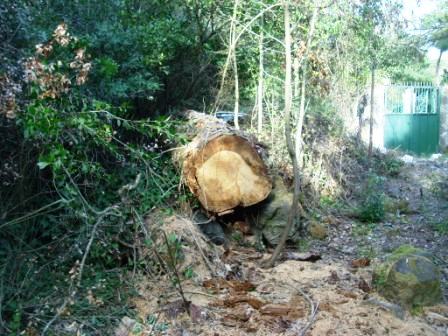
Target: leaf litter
<point>231,295</point>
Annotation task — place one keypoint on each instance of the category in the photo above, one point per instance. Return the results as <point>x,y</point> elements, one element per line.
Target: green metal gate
<point>412,118</point>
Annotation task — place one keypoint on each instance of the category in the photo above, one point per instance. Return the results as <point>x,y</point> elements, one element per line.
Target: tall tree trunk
<point>301,116</point>
<point>359,132</point>
<point>231,50</point>
<point>260,84</point>
<point>289,141</point>
<point>296,67</point>
<point>237,93</point>
<point>372,102</point>
<point>360,107</point>
<point>438,67</point>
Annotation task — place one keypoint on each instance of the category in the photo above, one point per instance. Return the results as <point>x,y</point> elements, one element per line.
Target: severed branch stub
<point>222,166</point>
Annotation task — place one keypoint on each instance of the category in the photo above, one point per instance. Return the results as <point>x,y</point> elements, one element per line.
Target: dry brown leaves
<point>8,91</point>
<point>232,301</point>
<point>235,286</point>
<point>52,77</point>
<point>248,311</point>
<point>361,262</point>
<point>364,286</point>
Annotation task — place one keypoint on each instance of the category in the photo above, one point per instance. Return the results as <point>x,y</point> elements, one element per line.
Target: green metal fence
<point>412,118</point>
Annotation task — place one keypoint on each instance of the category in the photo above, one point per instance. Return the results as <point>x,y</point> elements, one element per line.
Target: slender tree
<point>260,82</point>
<point>372,109</point>
<point>288,135</point>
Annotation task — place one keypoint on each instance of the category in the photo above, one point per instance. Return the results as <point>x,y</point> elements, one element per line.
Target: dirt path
<point>231,295</point>
<point>419,217</point>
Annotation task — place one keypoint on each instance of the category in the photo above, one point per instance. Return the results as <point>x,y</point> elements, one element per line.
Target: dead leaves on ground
<point>364,286</point>
<point>241,309</point>
<point>361,262</point>
<point>233,301</point>
<point>218,284</point>
<point>250,313</point>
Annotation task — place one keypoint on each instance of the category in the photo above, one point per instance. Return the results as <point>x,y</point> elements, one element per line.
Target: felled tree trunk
<point>222,167</point>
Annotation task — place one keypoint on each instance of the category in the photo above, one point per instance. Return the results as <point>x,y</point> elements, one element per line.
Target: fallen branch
<point>104,213</point>
<point>59,311</point>
<point>313,312</point>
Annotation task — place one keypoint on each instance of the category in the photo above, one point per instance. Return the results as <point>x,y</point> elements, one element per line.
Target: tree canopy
<point>92,95</point>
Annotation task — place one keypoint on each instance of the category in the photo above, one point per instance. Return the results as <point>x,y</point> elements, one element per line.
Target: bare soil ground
<point>228,293</point>
<point>420,220</point>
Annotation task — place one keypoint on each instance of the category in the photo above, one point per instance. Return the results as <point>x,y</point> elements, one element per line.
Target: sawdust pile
<point>227,293</point>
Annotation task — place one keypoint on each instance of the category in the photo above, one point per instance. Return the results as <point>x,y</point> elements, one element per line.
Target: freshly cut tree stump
<point>222,167</point>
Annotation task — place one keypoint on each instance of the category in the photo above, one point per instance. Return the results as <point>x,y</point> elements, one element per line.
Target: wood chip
<point>275,309</point>
<point>333,277</point>
<point>241,313</point>
<point>234,300</point>
<point>347,294</point>
<point>361,262</point>
<point>364,286</point>
<point>242,226</point>
<point>236,286</point>
<point>311,257</point>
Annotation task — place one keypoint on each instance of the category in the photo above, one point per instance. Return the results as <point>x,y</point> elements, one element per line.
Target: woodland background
<point>91,101</point>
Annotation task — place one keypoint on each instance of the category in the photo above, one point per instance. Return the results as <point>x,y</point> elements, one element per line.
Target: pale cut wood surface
<point>223,169</point>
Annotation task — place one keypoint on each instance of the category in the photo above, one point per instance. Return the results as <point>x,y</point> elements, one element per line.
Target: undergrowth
<point>372,207</point>
<point>75,199</point>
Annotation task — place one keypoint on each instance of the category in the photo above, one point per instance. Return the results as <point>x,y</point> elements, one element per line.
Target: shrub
<point>372,207</point>
<point>95,173</point>
<point>389,165</point>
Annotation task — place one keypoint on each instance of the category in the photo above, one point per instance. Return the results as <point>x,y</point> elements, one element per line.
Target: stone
<point>210,228</point>
<point>318,230</point>
<point>407,158</point>
<point>125,327</point>
<point>412,281</point>
<point>273,215</point>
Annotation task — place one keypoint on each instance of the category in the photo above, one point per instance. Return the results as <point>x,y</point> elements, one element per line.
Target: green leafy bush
<point>372,207</point>
<point>441,227</point>
<point>389,165</point>
<point>95,172</point>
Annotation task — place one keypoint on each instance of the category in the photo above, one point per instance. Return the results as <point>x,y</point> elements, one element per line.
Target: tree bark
<point>438,67</point>
<point>260,86</point>
<point>301,116</point>
<point>221,166</point>
<point>232,47</point>
<point>288,133</point>
<point>372,103</point>
<point>237,93</point>
<point>233,39</point>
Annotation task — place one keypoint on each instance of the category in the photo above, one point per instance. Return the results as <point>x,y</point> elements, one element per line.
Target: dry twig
<point>313,310</point>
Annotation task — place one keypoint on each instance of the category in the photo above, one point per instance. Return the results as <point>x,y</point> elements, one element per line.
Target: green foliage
<point>89,156</point>
<point>237,236</point>
<point>189,273</point>
<point>441,227</point>
<point>322,120</point>
<point>435,27</point>
<point>388,165</point>
<point>367,251</point>
<point>327,202</point>
<point>142,50</point>
<point>381,271</point>
<point>303,245</point>
<point>380,275</point>
<point>372,208</point>
<point>362,229</point>
<point>82,134</point>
